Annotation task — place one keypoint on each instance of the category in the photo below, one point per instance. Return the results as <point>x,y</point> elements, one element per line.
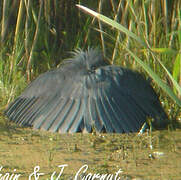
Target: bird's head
<point>89,60</point>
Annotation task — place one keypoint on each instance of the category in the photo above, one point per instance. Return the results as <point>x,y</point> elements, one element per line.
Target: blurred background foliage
<point>37,35</point>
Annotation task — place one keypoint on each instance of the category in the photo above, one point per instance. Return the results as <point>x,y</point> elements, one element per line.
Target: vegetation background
<point>37,35</point>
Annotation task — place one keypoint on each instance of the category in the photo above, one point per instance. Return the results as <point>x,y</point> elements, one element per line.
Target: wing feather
<point>91,115</point>
<point>54,108</point>
<point>39,105</point>
<point>21,109</point>
<point>21,116</point>
<point>102,115</point>
<point>111,98</point>
<point>77,123</point>
<point>13,106</point>
<point>70,117</point>
<point>58,120</point>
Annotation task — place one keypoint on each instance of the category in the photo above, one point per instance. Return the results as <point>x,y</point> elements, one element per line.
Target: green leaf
<point>177,67</point>
<point>112,23</point>
<point>164,50</point>
<point>175,84</point>
<point>179,30</point>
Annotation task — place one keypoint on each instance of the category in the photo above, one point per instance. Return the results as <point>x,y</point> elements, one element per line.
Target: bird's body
<point>86,93</point>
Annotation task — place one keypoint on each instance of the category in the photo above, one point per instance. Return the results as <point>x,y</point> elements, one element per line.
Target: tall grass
<point>36,35</point>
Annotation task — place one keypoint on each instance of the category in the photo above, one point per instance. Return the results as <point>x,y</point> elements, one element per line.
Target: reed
<point>36,35</point>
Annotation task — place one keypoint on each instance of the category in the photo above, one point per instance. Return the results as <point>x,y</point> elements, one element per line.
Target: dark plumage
<point>86,92</point>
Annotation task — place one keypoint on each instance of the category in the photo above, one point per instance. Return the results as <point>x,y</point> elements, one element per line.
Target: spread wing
<point>119,100</point>
<point>110,99</point>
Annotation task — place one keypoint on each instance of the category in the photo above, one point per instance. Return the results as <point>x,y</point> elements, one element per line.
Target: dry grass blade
<point>34,42</point>
<point>19,22</point>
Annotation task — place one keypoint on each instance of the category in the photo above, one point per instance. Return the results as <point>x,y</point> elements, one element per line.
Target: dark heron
<point>87,93</point>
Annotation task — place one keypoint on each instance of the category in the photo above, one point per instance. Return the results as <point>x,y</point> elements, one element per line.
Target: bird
<point>85,94</point>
